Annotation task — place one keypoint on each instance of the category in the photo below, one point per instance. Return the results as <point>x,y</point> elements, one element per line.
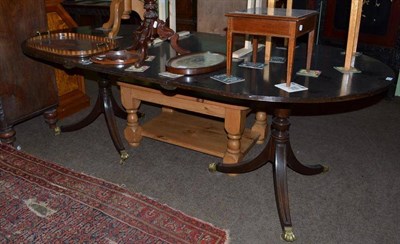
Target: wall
<point>211,14</point>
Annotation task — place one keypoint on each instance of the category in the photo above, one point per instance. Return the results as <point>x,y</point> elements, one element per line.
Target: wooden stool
<point>287,23</point>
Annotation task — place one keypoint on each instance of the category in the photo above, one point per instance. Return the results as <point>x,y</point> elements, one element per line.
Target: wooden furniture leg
<point>110,21</point>
<point>229,46</point>
<point>255,49</point>
<point>268,39</point>
<point>260,126</point>
<point>278,152</point>
<point>114,22</point>
<point>51,118</point>
<point>234,126</point>
<point>357,30</point>
<point>7,132</point>
<point>251,4</point>
<point>7,135</point>
<point>133,131</point>
<point>127,9</point>
<point>356,7</point>
<point>310,46</point>
<point>105,104</point>
<point>291,50</point>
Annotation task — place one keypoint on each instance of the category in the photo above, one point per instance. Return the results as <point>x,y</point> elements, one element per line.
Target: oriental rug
<point>42,202</point>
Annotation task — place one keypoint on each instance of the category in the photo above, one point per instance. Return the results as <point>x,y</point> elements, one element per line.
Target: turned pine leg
<point>234,126</point>
<point>133,131</point>
<point>260,126</point>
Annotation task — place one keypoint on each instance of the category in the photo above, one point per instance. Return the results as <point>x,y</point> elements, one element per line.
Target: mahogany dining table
<point>332,89</point>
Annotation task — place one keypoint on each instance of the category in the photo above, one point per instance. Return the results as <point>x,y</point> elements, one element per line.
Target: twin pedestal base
<point>229,140</point>
<point>209,137</point>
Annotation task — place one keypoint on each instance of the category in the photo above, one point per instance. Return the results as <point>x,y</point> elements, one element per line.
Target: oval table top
<point>258,85</point>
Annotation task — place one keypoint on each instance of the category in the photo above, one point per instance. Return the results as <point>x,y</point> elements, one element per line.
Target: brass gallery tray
<point>71,44</point>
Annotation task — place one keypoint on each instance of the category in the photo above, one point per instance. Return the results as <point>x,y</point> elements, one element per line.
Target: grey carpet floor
<point>357,201</point>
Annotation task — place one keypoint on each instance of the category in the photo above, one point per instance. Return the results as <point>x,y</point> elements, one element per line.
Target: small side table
<point>274,22</point>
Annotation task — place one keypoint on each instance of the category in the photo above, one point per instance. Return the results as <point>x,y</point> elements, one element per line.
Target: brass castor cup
<point>57,130</point>
<point>288,234</point>
<point>123,156</point>
<point>212,167</point>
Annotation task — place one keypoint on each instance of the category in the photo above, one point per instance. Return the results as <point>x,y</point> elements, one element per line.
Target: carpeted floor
<point>44,202</point>
<point>357,201</point>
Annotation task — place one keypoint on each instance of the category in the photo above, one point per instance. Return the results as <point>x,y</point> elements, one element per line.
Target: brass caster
<point>123,156</point>
<point>212,167</point>
<point>57,131</point>
<point>325,169</point>
<point>141,114</point>
<point>288,235</point>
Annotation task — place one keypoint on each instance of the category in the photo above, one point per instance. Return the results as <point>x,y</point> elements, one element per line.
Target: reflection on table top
<point>273,13</point>
<point>259,85</point>
<point>105,3</point>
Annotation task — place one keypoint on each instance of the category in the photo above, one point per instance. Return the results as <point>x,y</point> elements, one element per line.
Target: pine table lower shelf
<point>203,125</point>
<point>195,132</point>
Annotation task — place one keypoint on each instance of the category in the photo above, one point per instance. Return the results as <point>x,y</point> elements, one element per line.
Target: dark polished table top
<point>259,85</point>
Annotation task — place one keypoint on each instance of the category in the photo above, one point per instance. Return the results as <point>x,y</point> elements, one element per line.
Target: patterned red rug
<point>42,202</point>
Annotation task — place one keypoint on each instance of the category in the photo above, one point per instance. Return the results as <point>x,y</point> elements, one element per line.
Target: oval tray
<point>116,57</point>
<point>196,63</point>
<point>71,44</point>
